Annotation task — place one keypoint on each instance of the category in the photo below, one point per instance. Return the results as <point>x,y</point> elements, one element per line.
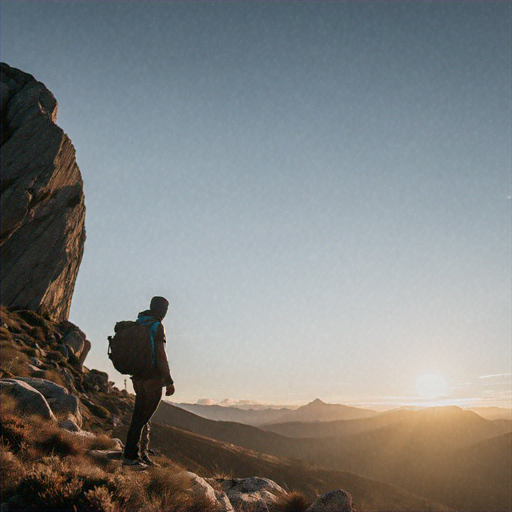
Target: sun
<point>431,385</point>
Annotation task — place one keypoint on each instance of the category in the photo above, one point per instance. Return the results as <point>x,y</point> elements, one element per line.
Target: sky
<point>322,190</point>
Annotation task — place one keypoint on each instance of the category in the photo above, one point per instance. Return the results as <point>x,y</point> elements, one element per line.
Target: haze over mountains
<point>312,412</point>
<point>445,454</point>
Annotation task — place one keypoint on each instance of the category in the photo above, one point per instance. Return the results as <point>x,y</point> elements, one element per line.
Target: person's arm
<point>161,357</point>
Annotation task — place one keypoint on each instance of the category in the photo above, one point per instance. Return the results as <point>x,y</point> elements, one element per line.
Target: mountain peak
<point>317,401</point>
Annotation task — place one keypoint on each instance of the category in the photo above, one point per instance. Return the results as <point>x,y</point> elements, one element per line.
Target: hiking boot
<point>135,463</point>
<point>146,460</point>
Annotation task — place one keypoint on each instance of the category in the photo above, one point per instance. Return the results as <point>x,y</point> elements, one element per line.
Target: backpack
<point>132,348</point>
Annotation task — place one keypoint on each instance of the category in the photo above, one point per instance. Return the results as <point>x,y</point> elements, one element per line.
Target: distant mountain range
<point>316,411</point>
<point>446,455</point>
<point>493,413</point>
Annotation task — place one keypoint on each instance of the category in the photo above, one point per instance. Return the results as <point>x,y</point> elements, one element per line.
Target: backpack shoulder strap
<point>153,327</point>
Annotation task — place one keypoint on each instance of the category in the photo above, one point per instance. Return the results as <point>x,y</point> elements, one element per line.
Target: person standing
<point>148,388</point>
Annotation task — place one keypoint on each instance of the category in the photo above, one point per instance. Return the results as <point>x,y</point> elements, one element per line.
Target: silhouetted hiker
<point>148,389</point>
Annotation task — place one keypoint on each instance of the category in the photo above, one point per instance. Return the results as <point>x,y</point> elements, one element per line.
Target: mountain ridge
<point>314,411</point>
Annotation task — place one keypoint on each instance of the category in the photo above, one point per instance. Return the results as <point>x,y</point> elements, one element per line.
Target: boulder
<point>35,361</point>
<point>200,488</point>
<point>42,231</point>
<point>252,484</point>
<point>35,371</point>
<point>69,380</point>
<point>69,425</point>
<point>83,434</point>
<point>333,501</point>
<point>76,342</point>
<point>29,400</point>
<point>224,505</point>
<point>63,349</point>
<point>95,380</point>
<point>60,401</point>
<point>251,494</point>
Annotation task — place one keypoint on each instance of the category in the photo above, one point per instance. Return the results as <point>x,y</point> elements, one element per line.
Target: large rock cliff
<point>43,212</point>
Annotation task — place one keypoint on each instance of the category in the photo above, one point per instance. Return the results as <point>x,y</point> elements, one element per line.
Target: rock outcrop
<point>43,398</point>
<point>251,494</point>
<point>77,342</point>
<point>43,212</point>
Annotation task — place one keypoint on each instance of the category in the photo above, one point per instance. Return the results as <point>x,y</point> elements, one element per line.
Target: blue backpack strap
<point>152,334</point>
<point>147,320</point>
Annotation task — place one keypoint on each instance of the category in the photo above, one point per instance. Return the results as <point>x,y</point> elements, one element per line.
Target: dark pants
<point>147,397</point>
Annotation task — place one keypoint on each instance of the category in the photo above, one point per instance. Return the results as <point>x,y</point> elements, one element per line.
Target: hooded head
<point>159,307</point>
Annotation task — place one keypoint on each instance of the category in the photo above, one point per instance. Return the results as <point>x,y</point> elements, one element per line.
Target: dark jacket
<point>161,368</point>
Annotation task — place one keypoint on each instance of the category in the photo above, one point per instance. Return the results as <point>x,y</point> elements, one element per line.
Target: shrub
<point>96,409</point>
<point>56,356</point>
<point>38,334</point>
<point>294,501</point>
<point>29,351</point>
<point>14,432</point>
<point>35,319</point>
<point>12,320</point>
<point>60,443</point>
<point>54,376</point>
<point>9,351</point>
<point>101,442</point>
<point>5,334</point>
<point>100,499</point>
<point>11,469</point>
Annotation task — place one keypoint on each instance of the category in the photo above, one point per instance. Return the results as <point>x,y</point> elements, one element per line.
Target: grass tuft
<point>294,501</point>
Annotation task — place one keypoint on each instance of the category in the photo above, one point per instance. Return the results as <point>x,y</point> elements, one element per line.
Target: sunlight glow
<point>431,386</point>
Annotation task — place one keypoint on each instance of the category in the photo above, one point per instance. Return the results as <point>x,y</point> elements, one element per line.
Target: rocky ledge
<point>43,212</point>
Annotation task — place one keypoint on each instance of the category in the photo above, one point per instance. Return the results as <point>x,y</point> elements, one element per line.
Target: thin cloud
<point>495,375</point>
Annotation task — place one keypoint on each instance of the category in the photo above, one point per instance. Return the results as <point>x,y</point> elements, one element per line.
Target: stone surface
<point>60,401</point>
<point>224,505</point>
<point>35,361</point>
<point>69,425</point>
<point>106,454</point>
<point>251,494</point>
<point>252,484</point>
<point>42,232</point>
<point>69,380</point>
<point>29,400</point>
<point>334,501</point>
<point>83,434</point>
<point>201,487</point>
<point>76,341</point>
<point>95,380</point>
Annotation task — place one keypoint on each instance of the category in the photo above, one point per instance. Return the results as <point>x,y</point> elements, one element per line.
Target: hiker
<point>148,388</point>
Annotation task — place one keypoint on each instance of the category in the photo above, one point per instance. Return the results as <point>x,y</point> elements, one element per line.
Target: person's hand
<point>169,390</point>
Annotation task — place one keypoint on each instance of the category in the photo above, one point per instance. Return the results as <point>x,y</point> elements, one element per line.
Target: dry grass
<point>12,359</point>
<point>29,323</point>
<point>219,474</point>
<point>102,442</point>
<point>294,501</point>
<point>5,334</point>
<point>12,320</point>
<point>46,468</point>
<point>54,376</point>
<point>41,327</point>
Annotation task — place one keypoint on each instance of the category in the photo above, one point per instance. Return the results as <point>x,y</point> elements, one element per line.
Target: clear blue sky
<point>321,189</point>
